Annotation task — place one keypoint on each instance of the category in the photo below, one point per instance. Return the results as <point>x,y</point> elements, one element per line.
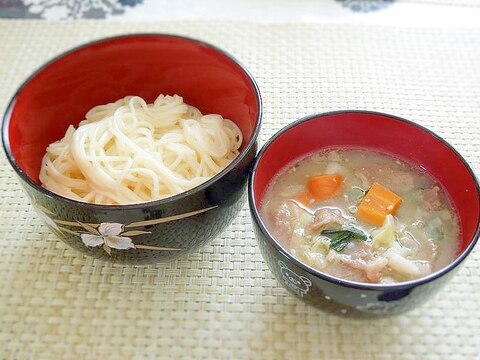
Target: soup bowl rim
<point>332,279</point>
<point>154,203</point>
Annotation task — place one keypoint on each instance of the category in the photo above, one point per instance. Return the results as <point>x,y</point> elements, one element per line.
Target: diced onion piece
<point>334,167</point>
<point>321,244</point>
<point>424,267</point>
<point>404,266</point>
<point>316,259</point>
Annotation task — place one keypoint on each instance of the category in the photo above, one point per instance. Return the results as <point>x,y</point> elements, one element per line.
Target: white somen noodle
<point>131,152</point>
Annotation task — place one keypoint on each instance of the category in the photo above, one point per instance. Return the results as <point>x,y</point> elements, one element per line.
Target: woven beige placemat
<point>223,302</point>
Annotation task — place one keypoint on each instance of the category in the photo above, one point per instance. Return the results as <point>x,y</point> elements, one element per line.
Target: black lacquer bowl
<point>379,132</point>
<point>62,91</point>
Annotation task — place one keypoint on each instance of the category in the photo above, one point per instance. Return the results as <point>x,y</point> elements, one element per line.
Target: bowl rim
<point>248,146</point>
<point>335,280</point>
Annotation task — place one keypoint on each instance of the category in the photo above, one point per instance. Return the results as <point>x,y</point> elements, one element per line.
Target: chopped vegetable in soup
<point>362,216</point>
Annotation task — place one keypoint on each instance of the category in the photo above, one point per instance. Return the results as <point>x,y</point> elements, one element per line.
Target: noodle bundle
<point>131,152</point>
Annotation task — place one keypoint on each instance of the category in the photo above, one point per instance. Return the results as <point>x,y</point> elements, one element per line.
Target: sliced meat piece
<point>398,181</point>
<point>374,268</point>
<point>328,216</point>
<point>361,251</point>
<point>282,220</point>
<point>369,266</point>
<point>345,271</point>
<point>285,216</point>
<point>431,199</point>
<point>344,267</point>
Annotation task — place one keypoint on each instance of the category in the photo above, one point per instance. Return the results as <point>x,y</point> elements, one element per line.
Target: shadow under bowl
<point>61,92</point>
<point>382,133</point>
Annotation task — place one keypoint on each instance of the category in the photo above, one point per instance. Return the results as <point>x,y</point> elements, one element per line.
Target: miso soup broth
<point>362,216</point>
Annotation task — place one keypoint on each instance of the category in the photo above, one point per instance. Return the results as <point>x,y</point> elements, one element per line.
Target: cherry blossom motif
<point>108,235</point>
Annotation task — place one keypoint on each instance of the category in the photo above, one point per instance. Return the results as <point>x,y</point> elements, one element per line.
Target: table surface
<point>223,302</point>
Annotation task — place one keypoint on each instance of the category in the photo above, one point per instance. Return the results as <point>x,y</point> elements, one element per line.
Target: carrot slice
<point>324,186</point>
<point>377,204</point>
<point>370,214</point>
<point>384,198</point>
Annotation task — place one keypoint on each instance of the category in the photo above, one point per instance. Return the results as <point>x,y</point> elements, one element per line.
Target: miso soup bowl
<point>381,133</point>
<point>62,91</point>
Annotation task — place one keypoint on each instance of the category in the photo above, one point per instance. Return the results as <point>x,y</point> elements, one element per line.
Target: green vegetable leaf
<point>340,238</point>
<point>435,229</point>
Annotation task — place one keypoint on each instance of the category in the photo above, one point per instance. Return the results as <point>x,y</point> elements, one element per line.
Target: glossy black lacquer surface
<point>337,298</point>
<point>155,232</point>
<point>60,93</point>
<point>335,295</point>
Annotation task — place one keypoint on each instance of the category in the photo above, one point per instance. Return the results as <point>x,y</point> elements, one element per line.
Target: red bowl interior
<point>383,133</point>
<point>101,72</point>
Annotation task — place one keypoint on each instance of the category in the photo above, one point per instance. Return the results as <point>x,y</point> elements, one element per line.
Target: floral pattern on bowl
<point>109,235</point>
